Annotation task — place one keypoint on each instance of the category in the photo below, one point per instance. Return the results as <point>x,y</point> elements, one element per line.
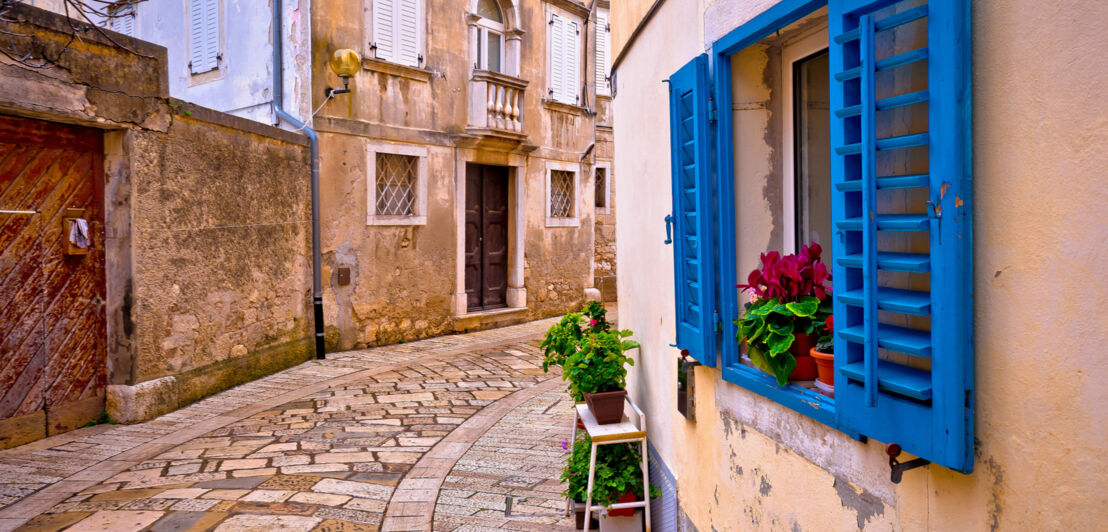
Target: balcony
<point>496,105</point>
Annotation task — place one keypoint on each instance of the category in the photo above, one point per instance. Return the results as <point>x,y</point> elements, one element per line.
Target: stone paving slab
<point>327,445</point>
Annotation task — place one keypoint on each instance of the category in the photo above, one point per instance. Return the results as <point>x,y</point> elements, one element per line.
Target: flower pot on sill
<point>825,365</point>
<point>606,407</point>
<point>805,364</point>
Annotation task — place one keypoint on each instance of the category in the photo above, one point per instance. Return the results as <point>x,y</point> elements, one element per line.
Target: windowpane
<point>813,152</point>
<point>494,52</point>
<point>561,194</point>
<point>396,182</point>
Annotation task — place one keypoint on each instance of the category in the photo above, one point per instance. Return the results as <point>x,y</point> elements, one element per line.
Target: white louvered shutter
<point>203,35</point>
<point>603,44</point>
<point>572,62</point>
<point>557,58</point>
<point>384,29</point>
<point>122,19</point>
<point>407,32</point>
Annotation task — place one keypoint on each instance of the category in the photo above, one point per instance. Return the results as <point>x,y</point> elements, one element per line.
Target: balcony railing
<point>496,102</point>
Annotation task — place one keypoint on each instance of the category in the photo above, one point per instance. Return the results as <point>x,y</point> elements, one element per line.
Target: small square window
<point>602,189</point>
<point>561,194</point>
<point>396,184</point>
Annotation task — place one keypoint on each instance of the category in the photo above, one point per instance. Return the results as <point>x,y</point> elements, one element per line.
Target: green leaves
<point>806,306</point>
<point>768,327</point>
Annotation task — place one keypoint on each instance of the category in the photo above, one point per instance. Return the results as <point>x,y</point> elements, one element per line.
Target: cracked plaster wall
<point>748,463</point>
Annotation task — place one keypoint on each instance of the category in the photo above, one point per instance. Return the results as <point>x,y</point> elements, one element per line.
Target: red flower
<point>790,277</point>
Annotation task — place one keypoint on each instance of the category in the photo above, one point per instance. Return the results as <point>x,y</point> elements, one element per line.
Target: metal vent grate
<point>664,509</point>
<point>561,194</point>
<point>396,180</point>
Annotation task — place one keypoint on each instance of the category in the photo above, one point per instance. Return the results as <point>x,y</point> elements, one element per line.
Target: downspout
<point>313,143</point>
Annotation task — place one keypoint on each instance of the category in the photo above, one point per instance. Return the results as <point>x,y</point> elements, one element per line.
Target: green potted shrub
<point>576,476</point>
<point>597,373</point>
<point>791,298</point>
<point>619,480</point>
<point>564,338</point>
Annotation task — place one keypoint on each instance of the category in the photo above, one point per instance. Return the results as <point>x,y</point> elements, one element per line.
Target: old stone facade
<point>201,222</point>
<point>452,114</point>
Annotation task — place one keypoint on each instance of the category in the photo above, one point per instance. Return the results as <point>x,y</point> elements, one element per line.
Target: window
<point>396,186</point>
<point>602,186</point>
<point>603,49</point>
<point>204,42</point>
<point>564,59</point>
<point>490,36</point>
<point>561,195</point>
<point>397,31</point>
<point>897,204</point>
<point>121,18</point>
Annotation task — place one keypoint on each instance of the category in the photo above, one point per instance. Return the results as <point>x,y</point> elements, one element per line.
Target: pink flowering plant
<point>790,295</point>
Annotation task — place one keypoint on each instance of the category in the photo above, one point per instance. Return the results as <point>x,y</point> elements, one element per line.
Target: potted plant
<point>597,373</point>
<point>790,298</point>
<point>824,355</point>
<point>564,338</point>
<point>619,480</point>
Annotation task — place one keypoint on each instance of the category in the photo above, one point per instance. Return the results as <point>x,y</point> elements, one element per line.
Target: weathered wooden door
<point>52,322</point>
<point>486,273</point>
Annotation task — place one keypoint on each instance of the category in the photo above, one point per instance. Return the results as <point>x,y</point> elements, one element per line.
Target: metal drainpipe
<point>313,142</point>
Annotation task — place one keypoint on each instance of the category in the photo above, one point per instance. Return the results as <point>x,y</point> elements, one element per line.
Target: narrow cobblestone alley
<point>456,433</point>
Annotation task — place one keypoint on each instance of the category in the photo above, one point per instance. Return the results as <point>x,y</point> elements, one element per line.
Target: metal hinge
<point>711,110</point>
<point>718,323</point>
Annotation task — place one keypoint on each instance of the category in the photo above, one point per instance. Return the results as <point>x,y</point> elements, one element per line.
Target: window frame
<point>558,221</point>
<point>607,167</point>
<point>484,28</point>
<point>802,400</point>
<point>419,208</point>
<point>810,44</point>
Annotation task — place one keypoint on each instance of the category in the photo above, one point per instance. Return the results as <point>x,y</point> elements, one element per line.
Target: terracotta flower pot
<point>607,407</point>
<point>825,365</point>
<point>624,512</point>
<point>805,364</point>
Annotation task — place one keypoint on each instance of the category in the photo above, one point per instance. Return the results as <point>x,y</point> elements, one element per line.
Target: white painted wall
<point>243,84</point>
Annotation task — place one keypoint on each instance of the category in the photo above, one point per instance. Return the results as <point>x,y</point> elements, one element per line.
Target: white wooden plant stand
<point>630,430</point>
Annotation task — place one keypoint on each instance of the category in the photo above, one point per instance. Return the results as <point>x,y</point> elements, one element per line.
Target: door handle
<point>669,228</point>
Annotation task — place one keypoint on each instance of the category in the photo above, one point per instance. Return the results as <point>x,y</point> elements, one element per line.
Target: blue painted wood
<point>886,23</point>
<point>780,15</point>
<point>693,260</point>
<point>892,261</point>
<point>899,300</point>
<point>868,150</point>
<point>929,413</point>
<point>889,222</point>
<point>888,182</point>
<point>903,340</point>
<point>803,400</point>
<point>890,143</point>
<point>725,209</point>
<point>893,378</point>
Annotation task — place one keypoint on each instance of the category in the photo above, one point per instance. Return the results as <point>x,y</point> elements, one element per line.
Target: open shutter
<point>557,57</point>
<point>602,43</point>
<point>693,260</point>
<point>407,32</point>
<point>384,29</point>
<point>902,207</point>
<point>203,35</point>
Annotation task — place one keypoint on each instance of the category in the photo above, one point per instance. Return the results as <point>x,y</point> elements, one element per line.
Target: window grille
<point>396,184</point>
<point>602,188</point>
<point>561,194</point>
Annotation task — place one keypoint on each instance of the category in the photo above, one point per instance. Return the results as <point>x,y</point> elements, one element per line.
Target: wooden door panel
<point>52,316</point>
<point>473,266</point>
<point>495,230</point>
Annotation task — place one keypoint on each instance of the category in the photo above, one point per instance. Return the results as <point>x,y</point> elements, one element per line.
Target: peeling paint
<point>864,504</point>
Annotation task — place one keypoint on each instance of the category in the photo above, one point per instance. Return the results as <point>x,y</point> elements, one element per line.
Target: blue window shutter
<point>693,259</point>
<point>900,382</point>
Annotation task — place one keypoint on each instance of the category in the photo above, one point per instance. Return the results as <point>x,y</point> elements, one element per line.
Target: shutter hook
<point>669,225</point>
<point>898,468</point>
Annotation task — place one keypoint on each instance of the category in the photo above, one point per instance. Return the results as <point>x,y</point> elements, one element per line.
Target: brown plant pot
<point>805,364</point>
<point>825,365</point>
<point>606,407</point>
<point>579,517</point>
<point>624,512</point>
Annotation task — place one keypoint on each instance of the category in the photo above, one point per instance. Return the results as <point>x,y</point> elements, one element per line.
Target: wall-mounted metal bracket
<point>898,468</point>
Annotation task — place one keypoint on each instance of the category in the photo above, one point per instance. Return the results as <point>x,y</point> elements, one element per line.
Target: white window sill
<point>562,222</point>
<point>396,220</point>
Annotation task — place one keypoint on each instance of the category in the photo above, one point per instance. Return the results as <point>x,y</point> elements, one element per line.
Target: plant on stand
<point>597,373</point>
<point>618,478</point>
<point>790,299</point>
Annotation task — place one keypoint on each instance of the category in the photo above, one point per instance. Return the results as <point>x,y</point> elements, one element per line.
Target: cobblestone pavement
<point>460,432</point>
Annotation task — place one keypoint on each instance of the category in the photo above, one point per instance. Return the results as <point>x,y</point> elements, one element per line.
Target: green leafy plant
<point>576,471</point>
<point>561,340</point>
<point>826,341</point>
<point>618,471</point>
<point>600,363</point>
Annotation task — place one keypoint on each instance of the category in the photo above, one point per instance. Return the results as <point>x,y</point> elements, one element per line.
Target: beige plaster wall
<point>748,463</point>
<point>404,278</point>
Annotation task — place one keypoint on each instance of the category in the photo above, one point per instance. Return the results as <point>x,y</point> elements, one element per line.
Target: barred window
<point>601,188</point>
<point>396,184</point>
<point>561,194</point>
